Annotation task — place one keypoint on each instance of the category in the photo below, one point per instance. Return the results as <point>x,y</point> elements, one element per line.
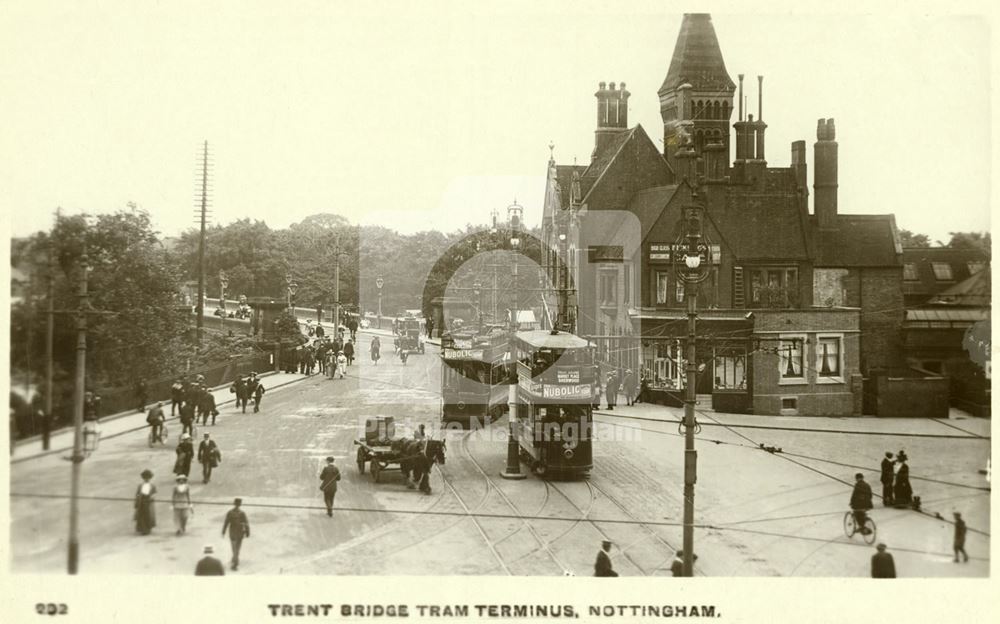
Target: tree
<point>971,240</point>
<point>909,239</point>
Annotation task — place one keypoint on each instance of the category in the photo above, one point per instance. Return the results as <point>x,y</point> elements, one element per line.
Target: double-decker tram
<point>554,424</point>
<point>475,377</point>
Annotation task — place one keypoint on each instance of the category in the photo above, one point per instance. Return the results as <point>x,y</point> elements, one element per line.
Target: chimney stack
<point>825,178</point>
<point>612,113</point>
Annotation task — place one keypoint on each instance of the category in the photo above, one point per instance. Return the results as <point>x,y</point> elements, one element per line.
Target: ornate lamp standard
<point>379,282</point>
<point>513,469</point>
<point>696,267</point>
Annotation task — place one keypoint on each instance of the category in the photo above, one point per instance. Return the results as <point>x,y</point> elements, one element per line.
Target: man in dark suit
<point>887,476</point>
<point>602,567</point>
<point>209,457</point>
<point>861,502</point>
<point>209,565</point>
<point>883,565</point>
<point>239,527</point>
<point>328,483</point>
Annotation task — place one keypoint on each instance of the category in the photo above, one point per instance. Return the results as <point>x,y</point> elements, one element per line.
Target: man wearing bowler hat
<point>602,566</point>
<point>209,565</point>
<point>239,527</point>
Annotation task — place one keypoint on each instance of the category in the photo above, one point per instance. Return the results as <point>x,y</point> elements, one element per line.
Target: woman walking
<point>145,518</point>
<point>375,348</point>
<point>182,504</point>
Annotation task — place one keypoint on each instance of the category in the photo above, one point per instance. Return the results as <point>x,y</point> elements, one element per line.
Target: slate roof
<point>603,159</point>
<point>857,241</point>
<point>564,176</point>
<point>697,57</point>
<point>647,205</point>
<point>927,284</point>
<point>768,229</point>
<point>974,291</point>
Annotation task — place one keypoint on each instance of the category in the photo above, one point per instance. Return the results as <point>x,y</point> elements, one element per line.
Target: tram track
<point>542,543</point>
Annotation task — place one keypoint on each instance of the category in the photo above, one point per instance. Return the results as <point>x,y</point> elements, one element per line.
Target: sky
<point>430,115</point>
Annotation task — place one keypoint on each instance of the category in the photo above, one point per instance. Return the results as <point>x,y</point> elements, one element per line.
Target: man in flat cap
<point>328,483</point>
<point>602,567</point>
<point>209,565</point>
<point>239,527</point>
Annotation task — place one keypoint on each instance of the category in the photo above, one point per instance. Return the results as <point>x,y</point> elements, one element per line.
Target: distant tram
<point>555,386</point>
<point>476,372</point>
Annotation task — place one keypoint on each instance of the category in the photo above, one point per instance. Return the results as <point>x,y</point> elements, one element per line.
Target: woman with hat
<point>185,453</point>
<point>145,519</point>
<point>182,504</point>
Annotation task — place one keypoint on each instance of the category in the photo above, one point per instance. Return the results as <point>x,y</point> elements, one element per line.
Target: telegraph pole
<point>78,456</point>
<point>203,210</point>
<point>49,330</point>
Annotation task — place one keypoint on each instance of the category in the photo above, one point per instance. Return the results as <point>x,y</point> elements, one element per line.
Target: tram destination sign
<point>568,375</point>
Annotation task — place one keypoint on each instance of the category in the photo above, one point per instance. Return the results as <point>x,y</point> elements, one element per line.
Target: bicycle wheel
<point>850,526</point>
<point>869,536</point>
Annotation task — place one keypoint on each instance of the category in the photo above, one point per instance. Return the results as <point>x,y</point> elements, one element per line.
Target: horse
<point>418,457</point>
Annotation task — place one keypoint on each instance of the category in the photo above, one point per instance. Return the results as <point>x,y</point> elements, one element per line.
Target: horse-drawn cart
<point>382,451</point>
<point>379,458</point>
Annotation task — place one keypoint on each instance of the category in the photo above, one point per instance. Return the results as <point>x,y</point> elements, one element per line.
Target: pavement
<point>130,421</point>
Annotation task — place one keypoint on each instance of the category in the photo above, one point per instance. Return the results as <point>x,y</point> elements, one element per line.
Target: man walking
<point>349,352</point>
<point>187,418</point>
<point>207,406</point>
<point>611,391</point>
<point>140,394</point>
<point>960,530</point>
<point>209,565</point>
<point>328,483</point>
<point>258,393</point>
<point>239,527</point>
<point>176,396</point>
<point>602,566</point>
<point>888,474</point>
<point>883,565</point>
<point>209,457</point>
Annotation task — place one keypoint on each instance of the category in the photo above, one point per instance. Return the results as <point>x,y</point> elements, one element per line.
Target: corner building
<point>798,307</point>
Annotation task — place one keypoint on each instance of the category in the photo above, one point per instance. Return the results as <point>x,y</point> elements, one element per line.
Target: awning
<point>948,315</point>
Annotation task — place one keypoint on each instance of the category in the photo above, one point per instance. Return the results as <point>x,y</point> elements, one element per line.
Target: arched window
<point>725,110</point>
<point>700,111</point>
<point>715,111</point>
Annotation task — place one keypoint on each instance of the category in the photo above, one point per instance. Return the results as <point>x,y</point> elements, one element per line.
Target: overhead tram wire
<point>618,521</point>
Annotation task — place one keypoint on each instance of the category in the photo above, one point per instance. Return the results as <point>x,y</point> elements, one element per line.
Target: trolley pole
<point>73,556</point>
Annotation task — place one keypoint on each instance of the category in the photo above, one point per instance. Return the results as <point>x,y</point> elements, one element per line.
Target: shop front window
<point>730,370</point>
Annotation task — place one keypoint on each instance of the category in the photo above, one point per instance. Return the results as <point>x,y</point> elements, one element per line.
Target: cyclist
<point>155,418</point>
<point>861,502</point>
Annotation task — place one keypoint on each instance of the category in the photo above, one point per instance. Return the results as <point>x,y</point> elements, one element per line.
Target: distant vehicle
<point>476,373</point>
<point>410,337</point>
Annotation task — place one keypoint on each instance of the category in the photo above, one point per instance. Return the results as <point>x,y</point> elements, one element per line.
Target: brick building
<point>796,307</point>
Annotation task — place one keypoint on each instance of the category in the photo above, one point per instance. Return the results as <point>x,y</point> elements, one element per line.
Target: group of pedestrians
<point>194,401</point>
<point>616,382</point>
<point>896,488</point>
<point>246,389</point>
<point>326,355</point>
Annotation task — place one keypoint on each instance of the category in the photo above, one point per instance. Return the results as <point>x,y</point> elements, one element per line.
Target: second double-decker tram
<point>555,379</point>
<point>475,377</point>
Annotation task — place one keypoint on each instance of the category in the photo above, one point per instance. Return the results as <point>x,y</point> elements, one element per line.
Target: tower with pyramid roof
<point>696,98</point>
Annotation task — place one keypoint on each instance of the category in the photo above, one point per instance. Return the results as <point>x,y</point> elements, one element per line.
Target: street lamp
<point>292,287</point>
<point>563,278</point>
<point>223,284</point>
<point>477,291</point>
<point>513,468</point>
<point>378,284</point>
<point>693,244</point>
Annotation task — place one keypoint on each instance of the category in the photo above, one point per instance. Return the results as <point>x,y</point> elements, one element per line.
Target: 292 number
<point>50,608</point>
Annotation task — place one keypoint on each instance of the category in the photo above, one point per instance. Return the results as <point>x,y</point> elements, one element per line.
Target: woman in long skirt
<point>902,492</point>
<point>182,504</point>
<point>145,518</point>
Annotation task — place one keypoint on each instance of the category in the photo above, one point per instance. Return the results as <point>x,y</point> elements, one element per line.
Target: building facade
<point>796,307</point>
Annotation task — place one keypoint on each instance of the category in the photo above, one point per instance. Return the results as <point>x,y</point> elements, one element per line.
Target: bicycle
<point>851,527</point>
<point>162,438</point>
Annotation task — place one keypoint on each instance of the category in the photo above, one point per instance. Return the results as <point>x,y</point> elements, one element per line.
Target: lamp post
<point>563,285</point>
<point>513,469</point>
<point>378,284</point>
<point>477,291</point>
<point>292,287</point>
<point>223,284</point>
<point>73,555</point>
<point>695,269</point>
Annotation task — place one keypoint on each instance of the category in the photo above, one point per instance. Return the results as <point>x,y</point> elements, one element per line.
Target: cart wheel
<point>361,460</point>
